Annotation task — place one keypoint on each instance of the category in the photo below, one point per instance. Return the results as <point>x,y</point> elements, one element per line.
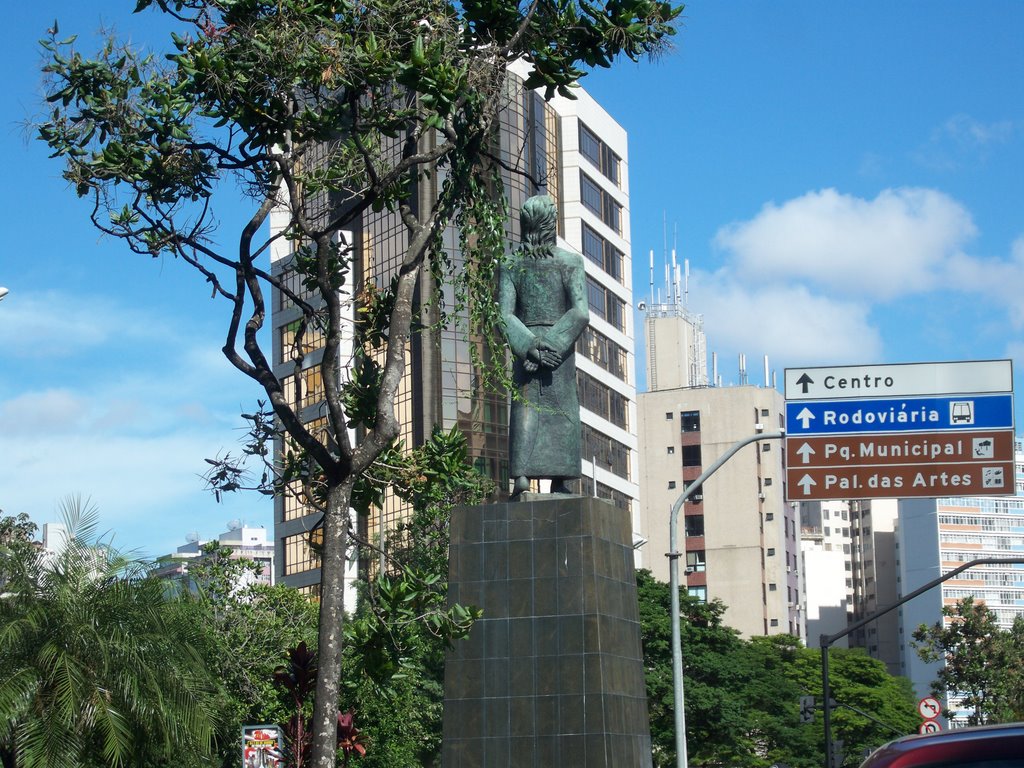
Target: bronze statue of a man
<point>543,299</point>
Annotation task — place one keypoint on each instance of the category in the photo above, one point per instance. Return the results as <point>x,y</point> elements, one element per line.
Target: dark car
<point>986,746</point>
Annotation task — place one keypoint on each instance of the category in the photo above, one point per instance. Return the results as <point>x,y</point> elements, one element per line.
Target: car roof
<point>960,745</point>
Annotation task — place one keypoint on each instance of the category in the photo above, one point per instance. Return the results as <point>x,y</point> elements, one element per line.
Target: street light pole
<point>673,580</point>
<point>827,640</point>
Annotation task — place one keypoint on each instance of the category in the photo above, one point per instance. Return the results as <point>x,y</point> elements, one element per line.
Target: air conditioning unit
<point>761,496</point>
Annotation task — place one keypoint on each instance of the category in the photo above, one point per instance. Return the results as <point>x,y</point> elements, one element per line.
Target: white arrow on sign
<point>806,482</point>
<point>805,416</point>
<point>805,452</point>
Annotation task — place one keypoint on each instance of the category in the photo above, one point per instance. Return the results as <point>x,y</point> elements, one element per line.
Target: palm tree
<point>98,666</point>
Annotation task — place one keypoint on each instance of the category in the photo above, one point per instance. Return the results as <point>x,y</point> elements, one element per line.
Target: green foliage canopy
<point>98,667</point>
<point>983,664</point>
<point>742,696</point>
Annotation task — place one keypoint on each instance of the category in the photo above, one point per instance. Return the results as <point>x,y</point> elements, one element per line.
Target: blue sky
<point>845,179</point>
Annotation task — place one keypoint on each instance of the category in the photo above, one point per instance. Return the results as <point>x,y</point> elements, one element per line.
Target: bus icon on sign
<point>961,412</point>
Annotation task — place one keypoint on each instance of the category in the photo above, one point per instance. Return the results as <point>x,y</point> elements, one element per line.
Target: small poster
<point>261,746</point>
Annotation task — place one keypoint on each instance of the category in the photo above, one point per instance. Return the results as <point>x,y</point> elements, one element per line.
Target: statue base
<point>553,672</point>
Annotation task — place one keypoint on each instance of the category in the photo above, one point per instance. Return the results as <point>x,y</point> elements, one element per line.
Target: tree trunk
<point>332,591</point>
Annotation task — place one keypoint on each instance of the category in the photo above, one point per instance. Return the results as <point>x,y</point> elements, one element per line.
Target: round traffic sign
<point>929,708</point>
<point>929,726</point>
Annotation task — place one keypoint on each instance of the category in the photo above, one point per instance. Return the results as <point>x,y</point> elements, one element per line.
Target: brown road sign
<point>902,481</point>
<point>912,448</point>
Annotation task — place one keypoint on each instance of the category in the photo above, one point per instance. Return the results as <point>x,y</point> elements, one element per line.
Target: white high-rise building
<point>825,548</point>
<point>937,535</point>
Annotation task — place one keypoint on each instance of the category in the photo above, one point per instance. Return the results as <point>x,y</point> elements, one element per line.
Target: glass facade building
<point>564,148</point>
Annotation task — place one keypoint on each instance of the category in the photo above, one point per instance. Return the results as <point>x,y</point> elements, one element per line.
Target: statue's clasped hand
<point>541,354</point>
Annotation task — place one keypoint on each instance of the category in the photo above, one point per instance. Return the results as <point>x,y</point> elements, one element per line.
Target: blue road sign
<point>912,414</point>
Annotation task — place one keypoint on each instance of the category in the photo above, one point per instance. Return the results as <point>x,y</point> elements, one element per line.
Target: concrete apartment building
<point>875,578</point>
<point>248,542</point>
<point>826,565</point>
<point>580,155</point>
<point>738,537</point>
<point>849,553</point>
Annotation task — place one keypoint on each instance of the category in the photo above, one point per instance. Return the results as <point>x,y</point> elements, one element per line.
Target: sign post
<point>905,430</point>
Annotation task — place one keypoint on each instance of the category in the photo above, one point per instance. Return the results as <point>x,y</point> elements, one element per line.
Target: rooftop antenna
<point>686,282</point>
<point>651,299</point>
<point>674,279</point>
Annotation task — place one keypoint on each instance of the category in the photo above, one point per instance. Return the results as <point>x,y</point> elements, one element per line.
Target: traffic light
<point>806,709</point>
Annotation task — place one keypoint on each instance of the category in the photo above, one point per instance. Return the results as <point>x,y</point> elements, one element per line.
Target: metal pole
<point>826,695</point>
<point>677,646</point>
<point>673,576</point>
<point>827,640</point>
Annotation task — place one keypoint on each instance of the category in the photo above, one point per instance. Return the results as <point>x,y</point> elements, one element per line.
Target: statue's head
<point>539,224</point>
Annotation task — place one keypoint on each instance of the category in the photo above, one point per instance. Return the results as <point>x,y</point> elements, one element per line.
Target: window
<point>668,416</point>
<point>602,400</point>
<point>609,453</point>
<point>769,516</point>
<point>310,388</point>
<point>606,304</point>
<point>597,152</point>
<point>295,283</point>
<point>311,592</point>
<point>599,349</point>
<point>772,586</point>
<point>691,456</point>
<point>766,446</point>
<point>298,555</point>
<point>670,449</point>
<point>671,484</point>
<point>767,482</point>
<point>701,593</point>
<point>690,421</point>
<point>294,499</point>
<point>601,203</point>
<point>775,622</point>
<point>292,347</point>
<point>604,254</point>
<point>694,525</point>
<point>695,562</point>
<point>771,552</point>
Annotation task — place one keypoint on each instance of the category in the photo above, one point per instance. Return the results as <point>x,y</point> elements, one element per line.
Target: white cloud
<point>788,323</point>
<point>51,411</point>
<point>997,281</point>
<point>895,245</point>
<point>964,141</point>
<point>55,324</point>
<point>121,405</point>
<point>148,489</point>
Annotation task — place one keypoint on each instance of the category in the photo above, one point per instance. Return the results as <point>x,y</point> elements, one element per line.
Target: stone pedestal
<point>552,675</point>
